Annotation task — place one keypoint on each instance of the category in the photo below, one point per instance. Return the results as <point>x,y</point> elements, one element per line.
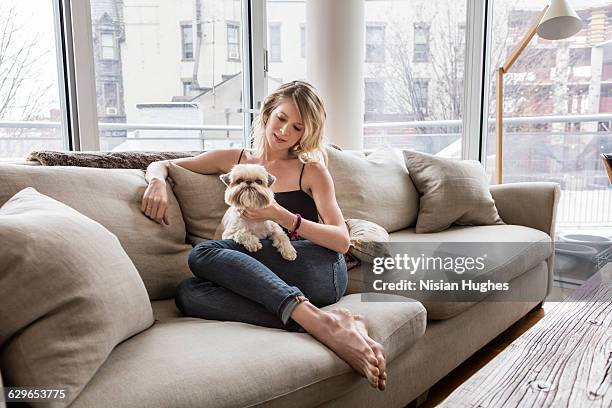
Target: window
<point>576,104</point>
<point>150,85</point>
<point>553,79</point>
<point>605,98</point>
<point>111,98</point>
<point>233,44</point>
<point>107,46</point>
<point>30,65</point>
<point>421,42</point>
<point>375,42</point>
<point>274,32</point>
<point>421,95</point>
<point>187,88</point>
<point>302,41</point>
<point>580,57</point>
<point>187,41</point>
<point>374,96</point>
<point>421,77</point>
<point>289,62</point>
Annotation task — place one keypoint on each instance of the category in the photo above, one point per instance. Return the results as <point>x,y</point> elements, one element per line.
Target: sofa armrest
<point>530,204</point>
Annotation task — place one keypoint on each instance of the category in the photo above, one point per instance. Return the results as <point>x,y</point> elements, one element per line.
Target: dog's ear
<point>226,179</point>
<point>271,180</point>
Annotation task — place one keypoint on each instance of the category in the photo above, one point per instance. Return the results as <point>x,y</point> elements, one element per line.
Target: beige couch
<point>186,362</point>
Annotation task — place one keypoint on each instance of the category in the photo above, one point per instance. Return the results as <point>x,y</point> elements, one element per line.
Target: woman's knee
<point>196,254</point>
<point>327,281</point>
<point>199,254</point>
<point>183,296</point>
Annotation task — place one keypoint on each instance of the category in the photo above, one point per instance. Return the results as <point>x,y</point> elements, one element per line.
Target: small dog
<point>248,187</point>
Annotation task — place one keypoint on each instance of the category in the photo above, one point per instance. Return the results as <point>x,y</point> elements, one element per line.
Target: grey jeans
<point>260,288</point>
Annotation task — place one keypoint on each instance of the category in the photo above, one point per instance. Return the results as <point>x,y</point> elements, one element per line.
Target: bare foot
<point>377,348</point>
<point>338,330</point>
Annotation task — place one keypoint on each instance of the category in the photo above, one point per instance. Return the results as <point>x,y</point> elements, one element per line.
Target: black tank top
<point>296,201</point>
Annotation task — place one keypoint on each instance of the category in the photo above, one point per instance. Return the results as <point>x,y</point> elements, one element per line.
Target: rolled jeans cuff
<point>288,305</point>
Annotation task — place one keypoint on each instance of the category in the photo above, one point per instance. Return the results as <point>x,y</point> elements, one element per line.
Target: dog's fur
<point>248,187</point>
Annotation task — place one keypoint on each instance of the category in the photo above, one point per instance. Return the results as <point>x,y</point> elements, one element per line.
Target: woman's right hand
<point>155,201</point>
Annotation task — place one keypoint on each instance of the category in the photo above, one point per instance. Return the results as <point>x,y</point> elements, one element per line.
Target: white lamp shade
<point>559,22</point>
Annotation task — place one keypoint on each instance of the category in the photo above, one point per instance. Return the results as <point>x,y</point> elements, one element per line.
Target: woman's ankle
<point>311,318</point>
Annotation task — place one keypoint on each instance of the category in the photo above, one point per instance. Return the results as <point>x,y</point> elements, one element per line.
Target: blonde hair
<point>310,146</point>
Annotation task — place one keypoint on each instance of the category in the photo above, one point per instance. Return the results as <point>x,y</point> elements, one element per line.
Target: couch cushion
<point>511,250</point>
<point>452,192</point>
<point>185,362</point>
<point>377,188</point>
<point>201,197</point>
<point>69,294</point>
<point>112,198</point>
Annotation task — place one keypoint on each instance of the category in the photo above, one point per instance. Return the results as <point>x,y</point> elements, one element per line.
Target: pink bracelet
<point>293,235</point>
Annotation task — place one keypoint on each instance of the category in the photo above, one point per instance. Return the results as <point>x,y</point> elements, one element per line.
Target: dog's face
<point>248,186</point>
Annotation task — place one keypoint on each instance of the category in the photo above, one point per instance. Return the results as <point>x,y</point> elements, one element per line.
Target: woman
<point>261,288</point>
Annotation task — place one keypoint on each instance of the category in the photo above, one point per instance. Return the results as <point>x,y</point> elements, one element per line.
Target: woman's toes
<point>382,366</point>
<point>372,377</point>
<point>382,380</point>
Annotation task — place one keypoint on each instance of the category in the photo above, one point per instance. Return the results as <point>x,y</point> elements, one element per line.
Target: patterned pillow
<point>105,160</point>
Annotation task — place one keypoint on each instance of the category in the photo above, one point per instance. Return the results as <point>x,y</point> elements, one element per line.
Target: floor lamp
<point>555,22</point>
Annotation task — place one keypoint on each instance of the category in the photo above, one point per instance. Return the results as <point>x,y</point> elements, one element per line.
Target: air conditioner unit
<point>111,111</point>
<point>234,54</point>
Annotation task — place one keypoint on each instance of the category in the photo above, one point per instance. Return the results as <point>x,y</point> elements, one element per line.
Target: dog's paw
<point>252,245</point>
<point>288,252</point>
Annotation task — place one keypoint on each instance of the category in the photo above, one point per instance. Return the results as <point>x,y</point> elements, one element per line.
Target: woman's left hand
<point>262,214</point>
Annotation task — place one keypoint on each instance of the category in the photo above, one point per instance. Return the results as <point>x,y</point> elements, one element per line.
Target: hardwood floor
<point>458,376</point>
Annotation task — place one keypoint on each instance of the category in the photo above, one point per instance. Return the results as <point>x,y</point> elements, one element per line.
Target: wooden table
<point>565,360</point>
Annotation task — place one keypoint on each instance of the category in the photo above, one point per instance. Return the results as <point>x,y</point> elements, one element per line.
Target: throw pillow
<point>113,197</point>
<point>452,192</point>
<point>367,240</point>
<point>376,188</point>
<point>107,160</point>
<point>201,197</point>
<point>69,295</point>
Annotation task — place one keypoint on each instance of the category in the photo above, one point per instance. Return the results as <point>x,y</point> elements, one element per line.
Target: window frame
<point>81,76</point>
